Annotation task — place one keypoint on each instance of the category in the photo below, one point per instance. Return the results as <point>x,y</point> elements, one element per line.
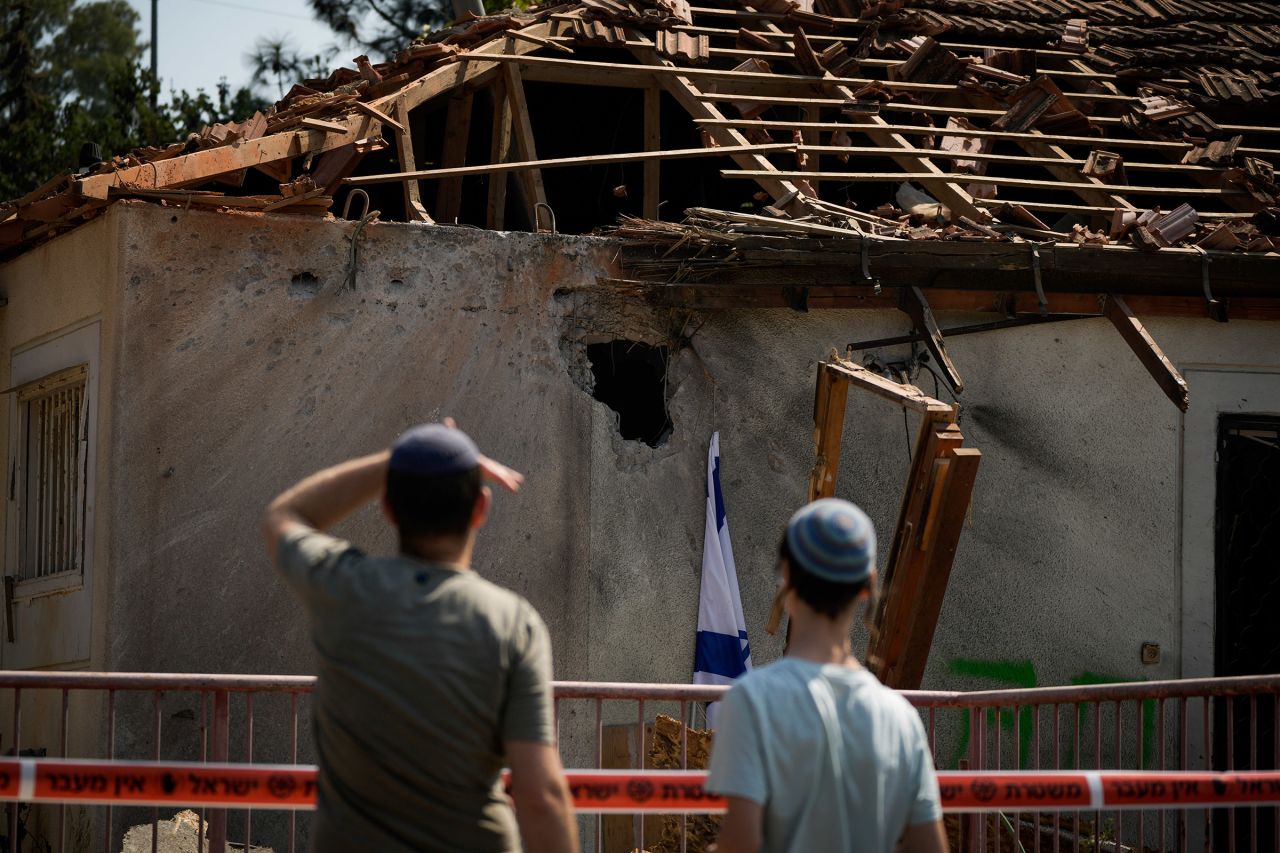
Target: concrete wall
<point>248,365</point>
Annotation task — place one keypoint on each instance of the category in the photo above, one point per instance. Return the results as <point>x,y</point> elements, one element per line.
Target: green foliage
<point>70,73</point>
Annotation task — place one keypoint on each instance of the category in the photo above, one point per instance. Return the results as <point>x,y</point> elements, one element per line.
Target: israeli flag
<point>722,653</point>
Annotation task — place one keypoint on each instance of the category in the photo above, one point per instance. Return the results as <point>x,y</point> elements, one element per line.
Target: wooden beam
<point>714,296</point>
<point>948,190</point>
<point>907,396</point>
<point>1089,189</point>
<point>1053,207</point>
<point>743,82</point>
<point>830,398</point>
<point>1147,351</point>
<point>413,209</point>
<point>812,145</point>
<point>201,166</point>
<point>691,98</point>
<point>457,128</point>
<point>325,126</point>
<point>917,308</point>
<point>652,142</point>
<point>370,109</point>
<point>499,153</point>
<point>902,574</point>
<point>476,71</point>
<point>526,150</point>
<point>556,44</point>
<point>565,162</point>
<point>939,178</point>
<point>976,133</point>
<point>942,539</point>
<point>1017,159</point>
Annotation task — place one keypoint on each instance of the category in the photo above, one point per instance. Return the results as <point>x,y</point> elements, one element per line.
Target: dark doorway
<point>631,378</point>
<point>1247,601</point>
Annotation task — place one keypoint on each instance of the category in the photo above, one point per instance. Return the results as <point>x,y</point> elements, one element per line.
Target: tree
<point>382,27</point>
<point>71,73</point>
<point>275,57</point>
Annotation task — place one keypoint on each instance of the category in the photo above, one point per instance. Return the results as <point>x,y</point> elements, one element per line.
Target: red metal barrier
<point>1199,725</point>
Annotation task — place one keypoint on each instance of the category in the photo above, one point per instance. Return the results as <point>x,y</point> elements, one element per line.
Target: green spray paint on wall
<point>1022,673</point>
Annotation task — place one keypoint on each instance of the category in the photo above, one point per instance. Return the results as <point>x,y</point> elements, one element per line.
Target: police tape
<point>288,786</point>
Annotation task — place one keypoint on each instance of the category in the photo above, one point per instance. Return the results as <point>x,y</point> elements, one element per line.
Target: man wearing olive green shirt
<point>430,678</point>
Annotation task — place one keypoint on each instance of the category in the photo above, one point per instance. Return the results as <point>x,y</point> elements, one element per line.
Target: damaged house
<point>1004,273</point>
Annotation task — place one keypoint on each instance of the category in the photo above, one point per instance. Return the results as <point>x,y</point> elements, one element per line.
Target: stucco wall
<point>248,365</point>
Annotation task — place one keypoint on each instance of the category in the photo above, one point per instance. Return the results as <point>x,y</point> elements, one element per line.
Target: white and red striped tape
<point>287,786</point>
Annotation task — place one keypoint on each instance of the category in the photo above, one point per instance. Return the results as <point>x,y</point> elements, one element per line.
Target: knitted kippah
<point>433,449</point>
<point>833,539</point>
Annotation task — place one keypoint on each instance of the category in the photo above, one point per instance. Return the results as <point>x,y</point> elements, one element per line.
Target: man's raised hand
<point>492,470</point>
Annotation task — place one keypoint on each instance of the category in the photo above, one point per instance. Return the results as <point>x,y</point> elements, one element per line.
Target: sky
<point>204,40</point>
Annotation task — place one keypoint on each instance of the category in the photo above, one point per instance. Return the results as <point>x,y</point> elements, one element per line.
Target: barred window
<point>53,454</point>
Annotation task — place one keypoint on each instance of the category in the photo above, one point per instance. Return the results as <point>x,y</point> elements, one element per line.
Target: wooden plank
<point>978,133</point>
<point>939,178</point>
<point>743,82</point>
<point>499,153</point>
<point>830,398</point>
<point>1068,175</point>
<point>1019,159</point>
<point>917,308</point>
<point>714,296</point>
<point>812,145</point>
<point>563,162</point>
<point>475,71</point>
<point>1148,351</point>
<point>526,150</point>
<point>907,671</point>
<point>907,396</point>
<point>200,166</point>
<point>541,41</point>
<point>457,129</point>
<point>1054,207</point>
<point>902,573</point>
<point>370,109</point>
<point>947,188</point>
<point>290,200</point>
<point>691,98</point>
<point>652,142</point>
<point>324,126</point>
<point>413,209</point>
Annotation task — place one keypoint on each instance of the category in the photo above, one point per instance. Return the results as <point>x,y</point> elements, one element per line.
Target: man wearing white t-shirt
<point>812,752</point>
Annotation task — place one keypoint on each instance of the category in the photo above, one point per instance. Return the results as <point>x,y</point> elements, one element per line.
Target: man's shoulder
<point>496,599</point>
<point>767,679</point>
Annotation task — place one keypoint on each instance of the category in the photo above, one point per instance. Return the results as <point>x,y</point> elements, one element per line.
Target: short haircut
<point>827,598</point>
<point>431,505</point>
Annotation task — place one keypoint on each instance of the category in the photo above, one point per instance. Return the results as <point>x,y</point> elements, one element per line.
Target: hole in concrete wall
<point>304,285</point>
<point>630,378</point>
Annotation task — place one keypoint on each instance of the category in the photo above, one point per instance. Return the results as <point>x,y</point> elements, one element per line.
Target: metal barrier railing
<point>1202,724</point>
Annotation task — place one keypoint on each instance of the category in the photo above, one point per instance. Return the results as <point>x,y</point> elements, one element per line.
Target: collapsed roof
<point>1137,120</point>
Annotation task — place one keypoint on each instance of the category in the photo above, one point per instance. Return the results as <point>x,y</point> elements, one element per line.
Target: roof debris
<point>1147,122</point>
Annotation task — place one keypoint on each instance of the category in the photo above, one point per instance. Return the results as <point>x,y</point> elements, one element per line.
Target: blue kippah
<point>833,539</point>
<point>433,449</point>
